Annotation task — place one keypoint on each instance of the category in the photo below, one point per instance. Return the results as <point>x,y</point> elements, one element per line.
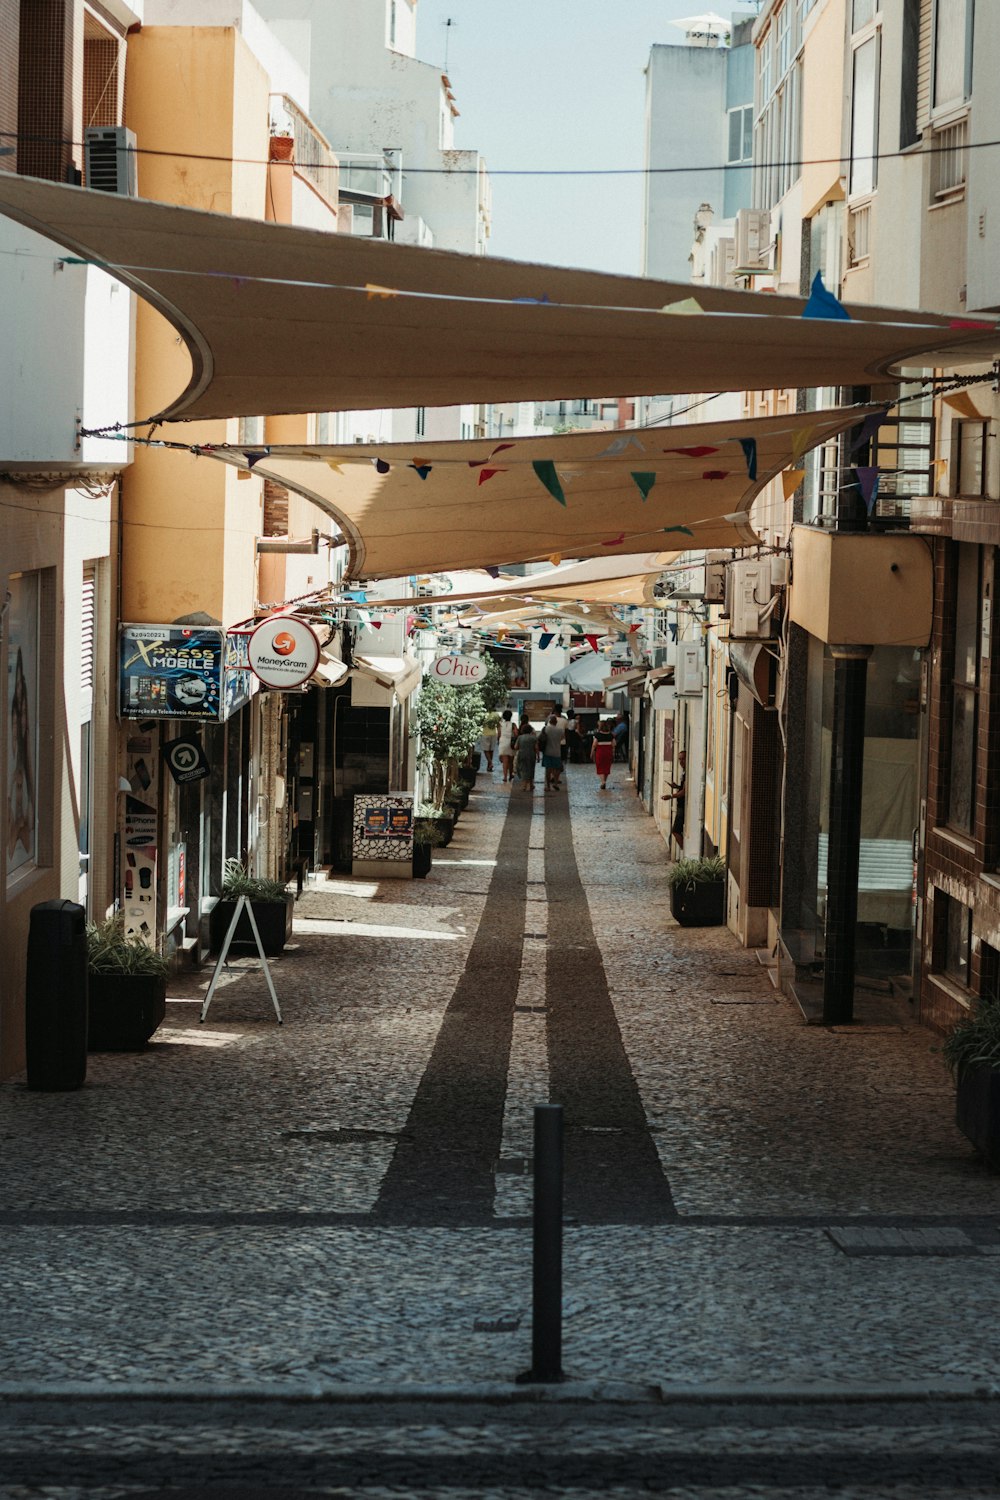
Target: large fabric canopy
<point>618,580</point>
<point>283,319</point>
<point>428,507</point>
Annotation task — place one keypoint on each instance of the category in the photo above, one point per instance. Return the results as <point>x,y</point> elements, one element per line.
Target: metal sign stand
<point>243,904</point>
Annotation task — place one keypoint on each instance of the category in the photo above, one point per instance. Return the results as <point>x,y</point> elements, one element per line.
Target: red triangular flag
<point>485,474</point>
<point>593,641</point>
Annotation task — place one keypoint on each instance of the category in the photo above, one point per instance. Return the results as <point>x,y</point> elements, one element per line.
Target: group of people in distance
<point>520,747</point>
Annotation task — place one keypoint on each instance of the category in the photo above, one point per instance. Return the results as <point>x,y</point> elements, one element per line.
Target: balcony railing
<point>315,159</point>
<point>948,159</point>
<point>859,222</point>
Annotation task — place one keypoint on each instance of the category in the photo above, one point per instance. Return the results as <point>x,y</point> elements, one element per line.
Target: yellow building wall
<point>823,95</point>
<point>190,525</point>
<point>858,589</point>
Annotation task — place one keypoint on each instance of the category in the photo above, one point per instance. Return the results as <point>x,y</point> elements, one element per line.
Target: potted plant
<point>972,1051</point>
<point>427,835</point>
<point>698,891</point>
<point>126,988</point>
<point>272,907</point>
<point>436,823</point>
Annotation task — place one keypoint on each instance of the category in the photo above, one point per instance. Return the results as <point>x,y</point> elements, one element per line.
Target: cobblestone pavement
<point>340,1205</point>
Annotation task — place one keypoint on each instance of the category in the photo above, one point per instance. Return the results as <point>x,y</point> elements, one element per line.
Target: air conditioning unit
<point>749,599</point>
<point>689,669</point>
<point>753,239</point>
<point>109,159</point>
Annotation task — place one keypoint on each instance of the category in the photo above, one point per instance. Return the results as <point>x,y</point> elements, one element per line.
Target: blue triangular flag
<point>254,455</point>
<point>749,446</point>
<point>868,485</point>
<point>422,469</point>
<point>381,467</point>
<point>869,428</point>
<point>823,304</point>
<point>545,639</point>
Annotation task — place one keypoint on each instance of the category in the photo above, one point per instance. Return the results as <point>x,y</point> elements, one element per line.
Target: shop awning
<point>398,674</point>
<point>622,680</point>
<point>278,318</point>
<point>430,507</point>
<point>586,673</point>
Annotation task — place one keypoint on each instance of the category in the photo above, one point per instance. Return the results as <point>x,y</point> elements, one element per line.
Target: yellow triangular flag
<point>800,442</point>
<point>963,403</point>
<point>501,634</point>
<point>790,481</point>
<point>337,468</point>
<point>374,290</point>
<point>939,466</point>
<point>684,308</point>
<point>555,559</point>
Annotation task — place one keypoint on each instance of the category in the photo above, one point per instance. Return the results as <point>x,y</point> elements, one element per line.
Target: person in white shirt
<point>506,736</point>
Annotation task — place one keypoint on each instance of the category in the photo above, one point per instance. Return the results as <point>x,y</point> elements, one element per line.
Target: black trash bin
<point>55,1016</point>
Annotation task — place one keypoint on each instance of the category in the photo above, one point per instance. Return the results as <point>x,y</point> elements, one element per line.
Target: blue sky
<point>556,83</point>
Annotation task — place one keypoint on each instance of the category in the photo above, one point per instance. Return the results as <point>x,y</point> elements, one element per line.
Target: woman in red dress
<point>602,752</point>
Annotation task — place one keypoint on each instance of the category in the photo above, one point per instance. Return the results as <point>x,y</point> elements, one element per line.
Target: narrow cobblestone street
<point>338,1207</point>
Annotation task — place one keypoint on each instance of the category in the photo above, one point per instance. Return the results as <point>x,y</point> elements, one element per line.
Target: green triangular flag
<point>546,471</point>
<point>645,483</point>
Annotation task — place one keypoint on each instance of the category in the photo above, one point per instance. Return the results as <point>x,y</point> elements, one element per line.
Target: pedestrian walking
<point>488,736</point>
<point>526,755</point>
<point>620,730</point>
<point>602,751</point>
<point>506,737</point>
<point>550,743</point>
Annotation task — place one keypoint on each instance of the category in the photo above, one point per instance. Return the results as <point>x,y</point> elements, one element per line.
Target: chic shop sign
<point>460,671</point>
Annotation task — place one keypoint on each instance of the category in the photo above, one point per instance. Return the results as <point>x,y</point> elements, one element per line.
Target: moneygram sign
<point>283,651</point>
<point>460,671</point>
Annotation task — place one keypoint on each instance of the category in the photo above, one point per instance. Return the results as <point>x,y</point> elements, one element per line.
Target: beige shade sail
<point>283,319</point>
<point>695,480</point>
<point>625,580</point>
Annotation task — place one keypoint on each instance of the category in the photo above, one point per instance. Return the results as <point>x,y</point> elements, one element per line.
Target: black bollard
<point>546,1298</point>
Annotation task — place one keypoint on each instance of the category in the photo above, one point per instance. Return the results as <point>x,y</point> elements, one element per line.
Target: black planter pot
<point>440,827</point>
<point>124,1010</point>
<point>421,861</point>
<point>467,775</point>
<point>700,905</point>
<point>476,760</point>
<point>977,1110</point>
<point>274,923</point>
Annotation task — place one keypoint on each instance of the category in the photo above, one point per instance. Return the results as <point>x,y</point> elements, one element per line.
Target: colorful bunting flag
<point>338,468</point>
<point>381,292</point>
<point>684,530</point>
<point>684,308</point>
<point>545,639</point>
<point>381,467</point>
<point>493,572</point>
<point>790,481</point>
<point>555,559</point>
<point>254,455</point>
<point>868,485</point>
<point>699,451</point>
<point>869,428</point>
<point>422,469</point>
<point>545,469</point>
<point>823,304</point>
<point>591,641</point>
<point>801,441</point>
<point>749,446</point>
<point>644,483</point>
<point>615,541</point>
<point>716,474</point>
<point>485,474</point>
<point>619,446</point>
<point>963,403</point>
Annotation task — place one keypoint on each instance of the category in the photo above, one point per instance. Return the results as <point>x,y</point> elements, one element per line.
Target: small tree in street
<point>448,721</point>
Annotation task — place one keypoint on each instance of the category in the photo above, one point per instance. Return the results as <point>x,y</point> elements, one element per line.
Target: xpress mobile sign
<point>170,671</point>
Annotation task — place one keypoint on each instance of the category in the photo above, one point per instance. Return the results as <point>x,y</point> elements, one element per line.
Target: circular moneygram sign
<point>283,651</point>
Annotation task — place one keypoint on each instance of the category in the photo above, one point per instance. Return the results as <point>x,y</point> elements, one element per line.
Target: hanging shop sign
<point>170,672</point>
<point>238,682</point>
<point>186,760</point>
<point>460,671</point>
<point>283,651</point>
